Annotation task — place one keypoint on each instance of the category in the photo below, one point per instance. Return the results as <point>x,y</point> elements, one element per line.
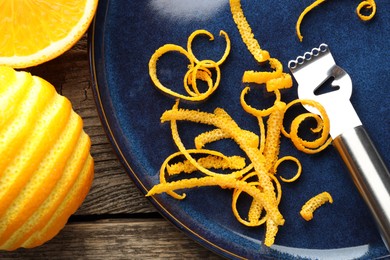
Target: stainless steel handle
<point>369,174</point>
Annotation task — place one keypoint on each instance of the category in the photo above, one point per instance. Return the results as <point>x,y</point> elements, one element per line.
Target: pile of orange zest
<point>223,121</point>
<point>262,152</point>
<point>367,4</point>
<point>197,69</point>
<point>225,183</point>
<point>270,143</point>
<point>323,126</point>
<point>257,178</point>
<point>289,158</point>
<point>314,203</point>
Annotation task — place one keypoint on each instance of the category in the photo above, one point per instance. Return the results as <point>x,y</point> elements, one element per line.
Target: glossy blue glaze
<point>124,36</point>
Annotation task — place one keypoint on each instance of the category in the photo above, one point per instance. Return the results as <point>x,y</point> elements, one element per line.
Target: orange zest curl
<point>368,5</point>
<point>201,72</point>
<point>211,37</point>
<point>254,111</point>
<point>323,127</point>
<point>302,15</point>
<point>197,70</point>
<point>314,203</point>
<point>261,77</point>
<point>289,158</point>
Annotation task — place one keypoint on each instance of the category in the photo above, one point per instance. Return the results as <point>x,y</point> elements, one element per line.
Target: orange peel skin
<point>323,124</point>
<point>211,161</point>
<point>289,158</point>
<point>153,68</point>
<point>44,151</point>
<point>272,141</point>
<point>246,32</point>
<point>314,203</point>
<point>261,77</point>
<point>369,5</point>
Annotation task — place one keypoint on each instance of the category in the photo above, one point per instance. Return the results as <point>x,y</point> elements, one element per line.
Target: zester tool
<point>312,71</point>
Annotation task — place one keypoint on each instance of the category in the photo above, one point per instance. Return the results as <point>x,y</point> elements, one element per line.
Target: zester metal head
<point>316,70</point>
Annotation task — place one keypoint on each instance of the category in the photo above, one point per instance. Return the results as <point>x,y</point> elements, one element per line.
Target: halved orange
<point>33,32</point>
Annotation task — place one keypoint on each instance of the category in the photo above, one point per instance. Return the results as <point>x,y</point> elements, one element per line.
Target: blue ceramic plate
<point>124,36</point>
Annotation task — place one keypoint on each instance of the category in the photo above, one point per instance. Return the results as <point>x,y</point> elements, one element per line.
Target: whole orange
<point>46,169</point>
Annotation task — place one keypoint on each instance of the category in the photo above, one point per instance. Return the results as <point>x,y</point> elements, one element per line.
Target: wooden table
<point>115,221</point>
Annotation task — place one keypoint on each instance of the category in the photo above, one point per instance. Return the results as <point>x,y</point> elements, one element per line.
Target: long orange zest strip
<point>302,15</point>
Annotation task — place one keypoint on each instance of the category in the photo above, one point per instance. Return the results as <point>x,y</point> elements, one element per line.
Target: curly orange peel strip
<point>314,203</point>
<point>302,15</point>
<point>323,125</point>
<point>368,5</point>
<point>289,158</point>
<point>196,69</point>
<point>201,74</point>
<point>254,111</point>
<point>211,37</point>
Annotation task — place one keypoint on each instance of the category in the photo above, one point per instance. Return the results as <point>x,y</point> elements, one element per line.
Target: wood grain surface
<point>115,221</point>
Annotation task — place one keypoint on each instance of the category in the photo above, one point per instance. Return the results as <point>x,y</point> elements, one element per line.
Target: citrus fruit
<point>33,32</point>
<point>46,169</point>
